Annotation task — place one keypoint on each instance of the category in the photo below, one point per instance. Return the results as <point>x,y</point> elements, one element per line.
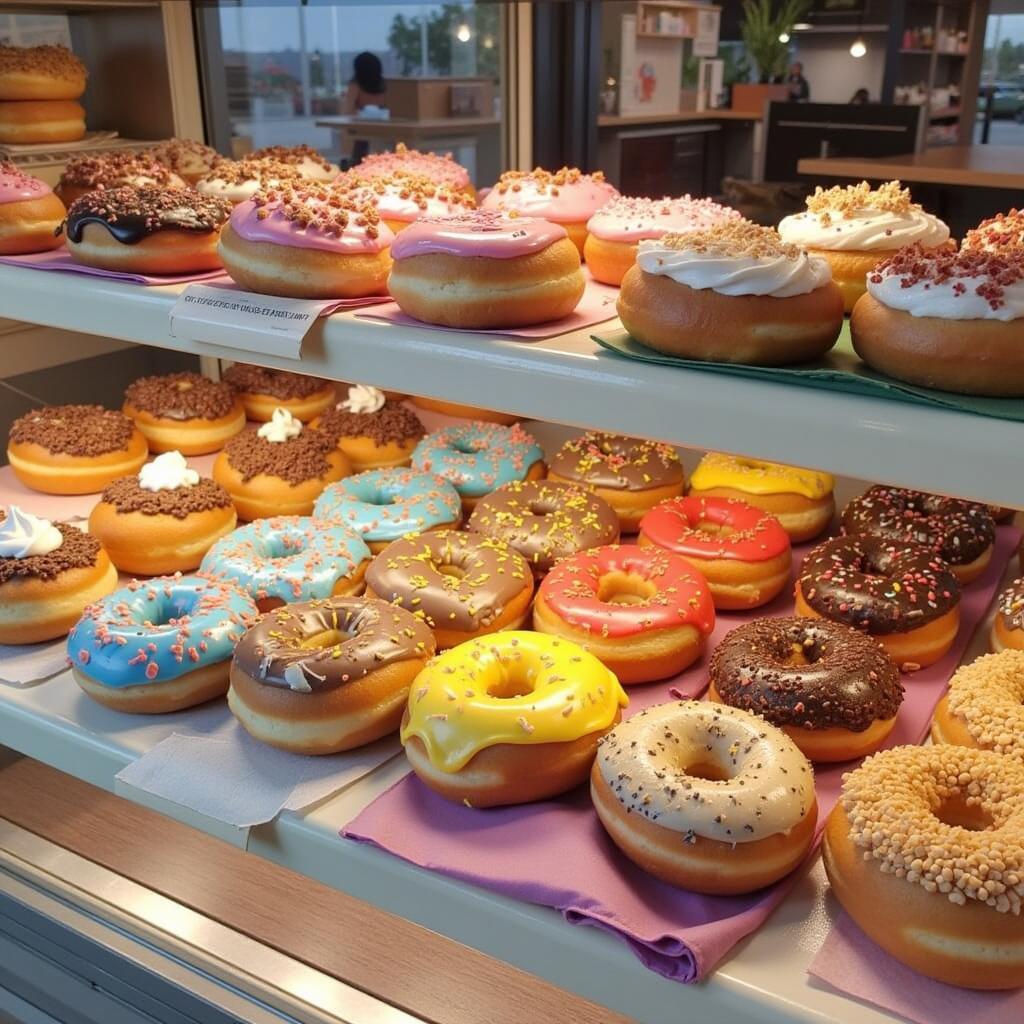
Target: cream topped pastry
<point>402,160</point>
<point>282,426</point>
<point>23,535</point>
<point>404,198</point>
<point>997,234</point>
<point>167,472</point>
<point>238,180</point>
<point>305,159</point>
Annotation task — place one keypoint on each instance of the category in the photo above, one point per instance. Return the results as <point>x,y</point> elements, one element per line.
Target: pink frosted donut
<point>30,214</point>
<point>402,160</point>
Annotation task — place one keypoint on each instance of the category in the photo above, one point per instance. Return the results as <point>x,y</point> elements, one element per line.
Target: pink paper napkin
<point>851,963</point>
<point>556,853</point>
<point>60,260</point>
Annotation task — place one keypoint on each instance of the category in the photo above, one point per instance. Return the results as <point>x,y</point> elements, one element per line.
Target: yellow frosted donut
<point>508,718</point>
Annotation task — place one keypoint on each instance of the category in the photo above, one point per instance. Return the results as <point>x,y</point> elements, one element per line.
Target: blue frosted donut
<point>385,504</point>
<point>157,630</point>
<point>478,458</point>
<point>286,559</point>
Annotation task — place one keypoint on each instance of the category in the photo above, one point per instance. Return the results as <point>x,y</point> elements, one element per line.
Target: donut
<point>631,475</point>
<point>187,158</point>
<point>146,230</point>
<point>74,449</point>
<point>40,73</point>
<point>327,676</point>
<point>383,505</point>
<point>307,241</point>
<point>483,270</point>
<point>742,551</point>
<point>373,432</point>
<point>900,594</point>
<point>800,499</point>
<point>705,797</point>
<point>508,719</point>
<point>944,319</point>
<point>91,173</point>
<point>289,560</point>
<point>49,573</point>
<point>307,162</point>
<point>238,180</point>
<point>984,706</point>
<point>831,688</point>
<point>159,645</point>
<point>466,412</point>
<point>477,458</point>
<point>401,199</point>
<point>615,230</point>
<point>1004,231</point>
<point>734,293</point>
<point>439,167</point>
<point>566,196</point>
<point>855,227</point>
<point>645,613</point>
<point>1008,622</point>
<point>26,122</point>
<point>163,520</point>
<point>184,412</point>
<point>961,533</point>
<point>30,214</point>
<point>925,851</point>
<point>281,469</point>
<point>545,520</point>
<point>262,390</point>
<point>462,585</point>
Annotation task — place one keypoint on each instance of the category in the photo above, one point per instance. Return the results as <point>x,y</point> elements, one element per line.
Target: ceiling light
<point>783,37</point>
<point>802,26</point>
<point>858,49</point>
<point>463,33</point>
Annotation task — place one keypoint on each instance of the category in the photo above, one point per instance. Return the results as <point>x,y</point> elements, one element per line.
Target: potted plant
<point>765,30</point>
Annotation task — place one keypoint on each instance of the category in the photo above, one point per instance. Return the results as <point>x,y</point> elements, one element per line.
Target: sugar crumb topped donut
<point>439,167</point>
<point>30,214</point>
<point>925,851</point>
<point>40,73</point>
<point>307,161</point>
<point>84,174</point>
<point>187,158</point>
<point>999,233</point>
<point>262,390</point>
<point>404,198</point>
<point>238,180</point>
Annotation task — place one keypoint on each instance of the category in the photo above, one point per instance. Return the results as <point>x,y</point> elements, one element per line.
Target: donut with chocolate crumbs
<point>187,158</point>
<point>101,171</point>
<point>307,162</point>
<point>371,429</point>
<point>262,390</point>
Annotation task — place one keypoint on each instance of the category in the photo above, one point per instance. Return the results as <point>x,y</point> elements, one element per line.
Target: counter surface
<point>628,120</point>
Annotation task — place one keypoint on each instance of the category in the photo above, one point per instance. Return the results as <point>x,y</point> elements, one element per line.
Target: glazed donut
<point>30,214</point>
<point>946,320</point>
<point>631,475</point>
<point>163,520</point>
<point>732,294</point>
<point>961,533</point>
<point>524,725</point>
<point>184,412</point>
<point>85,174</point>
<point>239,180</point>
<point>1008,622</point>
<point>306,161</point>
<point>616,229</point>
<point>925,851</point>
<point>462,585</point>
<point>1003,232</point>
<point>307,241</point>
<point>984,706</point>
<point>645,613</point>
<point>161,645</point>
<point>74,449</point>
<point>25,122</point>
<point>741,551</point>
<point>401,199</point>
<point>327,676</point>
<point>49,573</point>
<point>40,73</point>
<point>281,469</point>
<point>466,412</point>
<point>439,167</point>
<point>373,432</point>
<point>800,499</point>
<point>900,594</point>
<point>483,270</point>
<point>146,230</point>
<point>189,159</point>
<point>545,520</point>
<point>566,196</point>
<point>477,458</point>
<point>705,797</point>
<point>855,227</point>
<point>832,689</point>
<point>383,505</point>
<point>262,390</point>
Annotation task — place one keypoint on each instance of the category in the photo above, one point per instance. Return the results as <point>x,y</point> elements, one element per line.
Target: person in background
<point>799,90</point>
<point>861,96</point>
<point>367,86</point>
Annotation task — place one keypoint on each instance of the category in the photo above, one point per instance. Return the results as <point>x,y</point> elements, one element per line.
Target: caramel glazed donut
<point>925,851</point>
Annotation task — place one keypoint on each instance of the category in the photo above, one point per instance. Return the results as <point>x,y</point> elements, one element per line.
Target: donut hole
<point>456,572</point>
<point>704,768</point>
<point>802,653</point>
<point>957,813</point>
<point>625,588</point>
<point>465,447</point>
<point>325,638</point>
<point>538,508</point>
<point>380,498</point>
<point>282,546</point>
<point>714,529</point>
<point>510,684</point>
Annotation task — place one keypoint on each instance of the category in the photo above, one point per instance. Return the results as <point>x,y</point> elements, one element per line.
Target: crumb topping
<point>87,430</point>
<point>109,170</point>
<point>393,422</point>
<point>182,154</point>
<point>78,551</point>
<point>127,496</point>
<point>545,182</point>
<point>148,209</point>
<point>181,396</point>
<point>998,233</point>
<point>734,238</point>
<point>264,170</point>
<point>988,695</point>
<point>52,61</point>
<point>292,155</point>
<point>418,188</point>
<point>296,460</point>
<point>330,209</point>
<point>847,201</point>
<point>260,380</point>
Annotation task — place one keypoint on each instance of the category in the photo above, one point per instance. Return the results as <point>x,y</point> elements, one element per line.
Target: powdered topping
<point>988,695</point>
<point>128,495</point>
<point>17,187</point>
<point>894,802</point>
<point>846,201</point>
<point>295,460</point>
<point>51,61</point>
<point>402,160</point>
<point>1004,231</point>
<point>392,423</point>
<point>565,196</point>
<point>599,459</point>
<point>23,535</point>
<point>259,380</point>
<point>281,427</point>
<point>111,170</point>
<point>77,550</point>
<point>406,197</point>
<point>630,219</point>
<point>181,396</point>
<point>86,430</point>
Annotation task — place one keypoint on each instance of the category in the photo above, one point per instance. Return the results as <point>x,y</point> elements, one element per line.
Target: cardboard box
<point>421,99</point>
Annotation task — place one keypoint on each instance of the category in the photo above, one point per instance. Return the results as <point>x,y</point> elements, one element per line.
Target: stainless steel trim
<point>229,969</point>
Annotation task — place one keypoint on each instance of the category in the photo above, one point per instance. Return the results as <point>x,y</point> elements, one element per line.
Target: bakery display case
<point>200,863</point>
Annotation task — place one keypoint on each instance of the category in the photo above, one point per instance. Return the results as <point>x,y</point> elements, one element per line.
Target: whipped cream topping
<point>167,472</point>
<point>282,426</point>
<point>363,398</point>
<point>23,535</point>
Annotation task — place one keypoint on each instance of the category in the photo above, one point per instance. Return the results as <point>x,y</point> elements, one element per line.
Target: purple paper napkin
<point>60,260</point>
<point>556,854</point>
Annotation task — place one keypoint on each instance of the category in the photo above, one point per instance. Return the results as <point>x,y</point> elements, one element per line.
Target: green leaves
<point>761,29</point>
